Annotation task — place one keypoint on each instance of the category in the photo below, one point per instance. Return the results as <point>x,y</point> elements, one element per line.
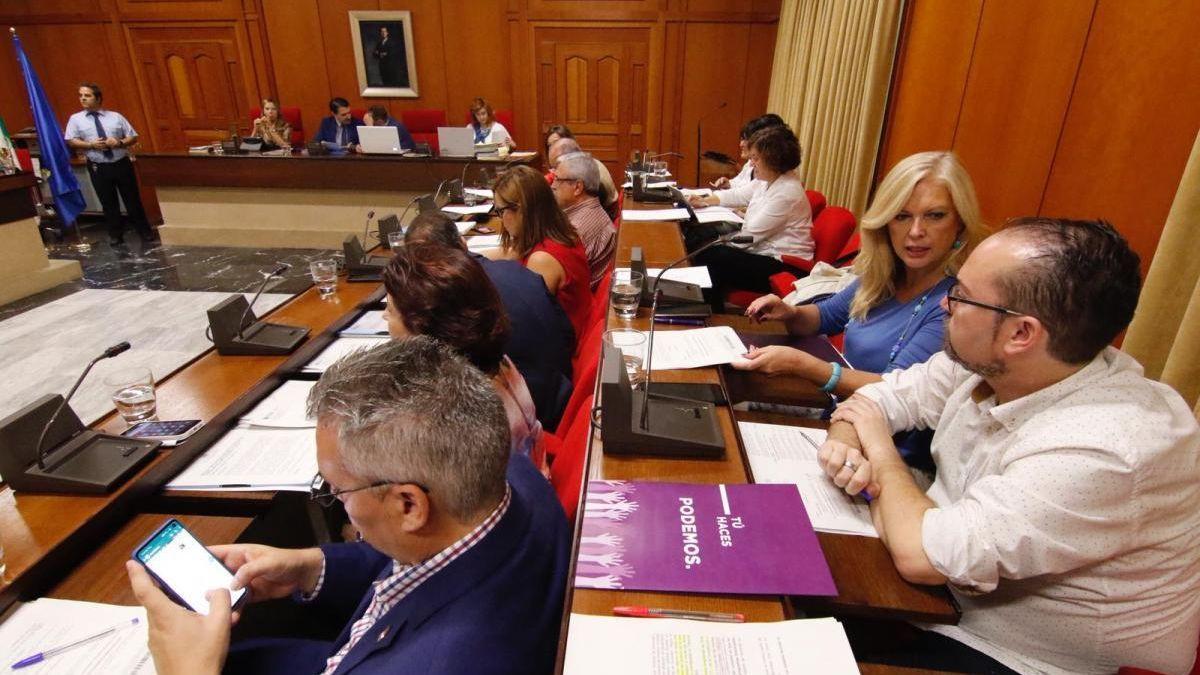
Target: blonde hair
<point>878,267</point>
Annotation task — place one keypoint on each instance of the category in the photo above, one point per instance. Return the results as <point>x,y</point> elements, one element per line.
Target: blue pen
<point>679,320</point>
<point>42,656</point>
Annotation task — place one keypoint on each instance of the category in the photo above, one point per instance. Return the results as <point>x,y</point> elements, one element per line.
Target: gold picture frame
<point>383,53</point>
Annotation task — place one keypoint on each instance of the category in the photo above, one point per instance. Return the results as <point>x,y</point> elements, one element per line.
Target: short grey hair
<point>562,147</point>
<point>581,166</point>
<point>412,410</point>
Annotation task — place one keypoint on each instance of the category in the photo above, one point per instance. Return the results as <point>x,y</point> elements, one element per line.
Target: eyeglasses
<point>499,210</point>
<point>320,492</point>
<point>565,179</point>
<point>952,297</point>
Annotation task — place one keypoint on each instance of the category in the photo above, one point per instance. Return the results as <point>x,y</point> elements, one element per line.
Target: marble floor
<point>154,296</point>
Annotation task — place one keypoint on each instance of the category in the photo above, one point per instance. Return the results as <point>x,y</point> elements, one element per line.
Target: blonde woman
<point>272,128</point>
<point>923,223</point>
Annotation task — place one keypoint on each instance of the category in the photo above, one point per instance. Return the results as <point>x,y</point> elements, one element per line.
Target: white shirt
<point>744,176</point>
<point>1067,521</point>
<point>497,134</point>
<point>82,126</point>
<point>778,216</point>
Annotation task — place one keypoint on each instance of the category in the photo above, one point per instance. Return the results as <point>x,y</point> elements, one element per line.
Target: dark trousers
<point>733,268</point>
<point>115,178</point>
<point>898,644</point>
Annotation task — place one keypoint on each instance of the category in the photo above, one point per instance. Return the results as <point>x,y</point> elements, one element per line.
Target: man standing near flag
<point>105,135</point>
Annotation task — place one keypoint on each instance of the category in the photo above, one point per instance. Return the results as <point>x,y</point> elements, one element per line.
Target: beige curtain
<point>1165,333</point>
<point>832,70</point>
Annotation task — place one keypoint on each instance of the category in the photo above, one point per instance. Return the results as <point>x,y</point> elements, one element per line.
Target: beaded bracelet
<point>834,377</point>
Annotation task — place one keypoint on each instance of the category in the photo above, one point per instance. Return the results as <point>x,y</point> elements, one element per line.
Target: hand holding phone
<point>184,568</point>
<point>272,572</point>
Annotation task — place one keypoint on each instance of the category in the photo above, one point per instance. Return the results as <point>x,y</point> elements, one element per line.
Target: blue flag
<point>55,155</point>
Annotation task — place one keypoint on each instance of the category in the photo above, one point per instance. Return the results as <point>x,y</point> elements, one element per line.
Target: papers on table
<point>250,458</point>
<point>283,408</point>
<point>339,348</point>
<point>48,623</point>
<point>465,226</point>
<point>786,454</point>
<point>696,192</point>
<point>656,184</point>
<point>370,323</point>
<point>464,210</point>
<point>649,215</point>
<point>687,275</point>
<point>696,348</point>
<point>661,646</point>
<point>717,214</point>
<point>483,242</point>
<point>480,192</point>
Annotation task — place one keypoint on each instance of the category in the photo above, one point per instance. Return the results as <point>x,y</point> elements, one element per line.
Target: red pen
<point>656,613</point>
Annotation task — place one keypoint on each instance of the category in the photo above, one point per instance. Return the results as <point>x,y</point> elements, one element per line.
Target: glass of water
<point>395,240</point>
<point>324,275</point>
<point>626,292</point>
<point>133,393</point>
<point>632,344</point>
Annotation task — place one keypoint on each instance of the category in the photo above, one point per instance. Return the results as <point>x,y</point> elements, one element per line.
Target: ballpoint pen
<point>679,320</point>
<point>657,613</point>
<point>866,496</point>
<point>43,655</point>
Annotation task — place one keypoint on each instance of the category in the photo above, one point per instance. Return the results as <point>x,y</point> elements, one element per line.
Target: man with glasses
<point>1064,512</point>
<point>463,559</point>
<point>576,188</point>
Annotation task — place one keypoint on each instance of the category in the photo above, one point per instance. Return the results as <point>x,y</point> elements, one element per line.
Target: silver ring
<point>850,465</point>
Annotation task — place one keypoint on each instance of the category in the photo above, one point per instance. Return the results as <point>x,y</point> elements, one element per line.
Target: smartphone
<point>170,432</point>
<point>184,568</point>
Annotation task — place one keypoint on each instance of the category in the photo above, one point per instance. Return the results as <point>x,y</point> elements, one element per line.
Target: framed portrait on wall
<point>383,53</point>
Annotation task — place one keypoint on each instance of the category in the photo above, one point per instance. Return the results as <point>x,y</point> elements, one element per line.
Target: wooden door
<point>595,81</point>
<point>195,82</point>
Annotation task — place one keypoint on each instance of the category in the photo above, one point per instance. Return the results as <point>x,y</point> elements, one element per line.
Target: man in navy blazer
<point>465,553</point>
<point>340,128</point>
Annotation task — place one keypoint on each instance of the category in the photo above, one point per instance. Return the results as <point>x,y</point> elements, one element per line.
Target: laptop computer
<point>456,141</point>
<point>380,140</point>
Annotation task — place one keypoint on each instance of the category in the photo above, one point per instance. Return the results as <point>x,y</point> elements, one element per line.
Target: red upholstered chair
<point>566,473</point>
<point>423,125</point>
<point>358,113</point>
<point>816,202</point>
<point>291,114</point>
<point>600,298</point>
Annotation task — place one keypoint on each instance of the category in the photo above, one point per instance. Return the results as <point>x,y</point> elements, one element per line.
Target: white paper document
<point>483,242</point>
<point>786,454</point>
<point>717,214</point>
<point>465,226</point>
<point>654,215</point>
<point>687,275</point>
<point>681,647</point>
<point>650,186</point>
<point>283,408</point>
<point>464,210</point>
<point>339,348</point>
<point>370,323</point>
<point>695,348</point>
<point>696,192</point>
<point>47,623</point>
<point>254,458</point>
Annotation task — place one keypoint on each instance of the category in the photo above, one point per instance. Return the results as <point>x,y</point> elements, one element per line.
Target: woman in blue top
<point>923,223</point>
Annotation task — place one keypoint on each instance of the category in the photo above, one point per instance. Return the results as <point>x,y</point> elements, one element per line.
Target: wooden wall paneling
<point>595,10</point>
<point>712,78</point>
<point>297,44</point>
<point>339,50</point>
<point>528,82</point>
<point>255,35</point>
<point>432,54</point>
<point>934,58</point>
<point>666,108</point>
<point>52,11</point>
<point>1132,120</point>
<point>1026,57</point>
<point>179,9</point>
<point>477,62</point>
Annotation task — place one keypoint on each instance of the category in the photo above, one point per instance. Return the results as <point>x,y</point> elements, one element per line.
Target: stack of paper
<point>284,408</point>
<point>370,323</point>
<point>696,348</point>
<point>468,210</point>
<point>649,215</point>
<point>249,458</point>
<point>786,454</point>
<point>339,348</point>
<point>47,623</point>
<point>696,192</point>
<point>717,214</point>
<point>660,646</point>
<point>483,242</point>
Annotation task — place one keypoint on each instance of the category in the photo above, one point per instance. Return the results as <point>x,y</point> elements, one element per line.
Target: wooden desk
<point>868,584</point>
<point>46,535</point>
<point>291,201</point>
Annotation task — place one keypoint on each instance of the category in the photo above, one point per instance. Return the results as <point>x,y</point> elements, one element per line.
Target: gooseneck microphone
<point>367,227</point>
<point>112,351</point>
<point>279,269</point>
<point>732,238</point>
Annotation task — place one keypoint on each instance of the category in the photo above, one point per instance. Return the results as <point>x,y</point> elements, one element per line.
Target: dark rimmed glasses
<point>499,210</point>
<point>952,297</point>
<point>320,492</point>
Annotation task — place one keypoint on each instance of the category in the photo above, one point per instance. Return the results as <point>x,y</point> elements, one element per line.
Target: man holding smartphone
<point>464,555</point>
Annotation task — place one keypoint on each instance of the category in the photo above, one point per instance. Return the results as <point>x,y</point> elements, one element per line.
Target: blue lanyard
<point>907,324</point>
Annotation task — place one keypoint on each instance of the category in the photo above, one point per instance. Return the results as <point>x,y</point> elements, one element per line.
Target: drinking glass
<point>133,393</point>
<point>395,240</point>
<point>626,292</point>
<point>324,275</point>
<point>632,344</point>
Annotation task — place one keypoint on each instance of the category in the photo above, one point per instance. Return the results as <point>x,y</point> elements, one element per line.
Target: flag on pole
<point>55,156</point>
<point>8,153</point>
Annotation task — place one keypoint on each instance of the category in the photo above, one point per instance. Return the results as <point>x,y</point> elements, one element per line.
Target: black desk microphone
<point>108,354</point>
<point>279,269</point>
<point>367,228</point>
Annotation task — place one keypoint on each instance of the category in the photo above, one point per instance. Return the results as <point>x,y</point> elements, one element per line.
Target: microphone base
<point>371,269</point>
<point>264,339</point>
<point>677,427</point>
<point>673,293</point>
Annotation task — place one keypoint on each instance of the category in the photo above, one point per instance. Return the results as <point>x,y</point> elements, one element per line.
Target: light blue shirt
<point>82,126</point>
